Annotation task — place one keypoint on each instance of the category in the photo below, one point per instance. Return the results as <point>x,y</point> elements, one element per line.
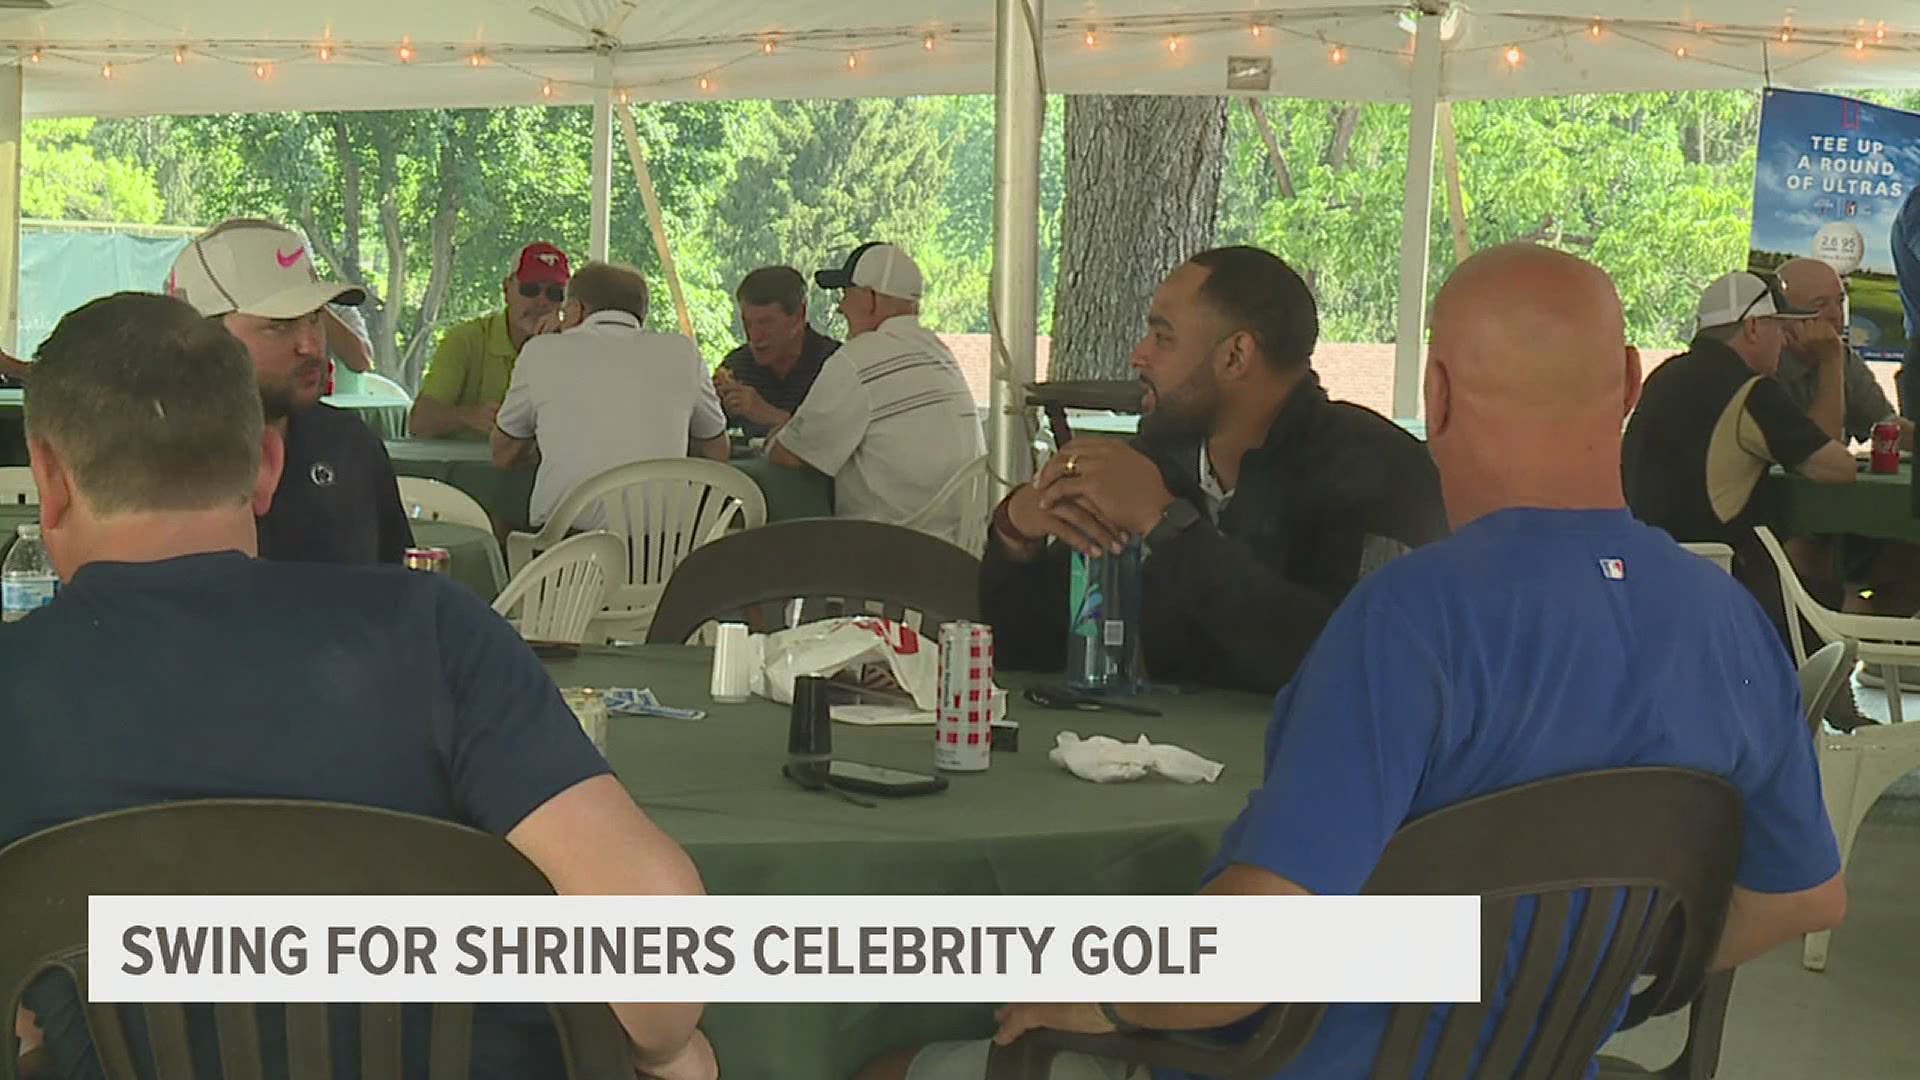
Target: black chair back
<point>1624,871</point>
<point>263,847</point>
<point>834,566</point>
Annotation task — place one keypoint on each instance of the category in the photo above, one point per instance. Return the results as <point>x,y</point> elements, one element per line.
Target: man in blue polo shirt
<point>1551,634</point>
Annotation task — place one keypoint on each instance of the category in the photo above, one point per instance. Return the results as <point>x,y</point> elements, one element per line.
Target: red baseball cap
<point>542,264</point>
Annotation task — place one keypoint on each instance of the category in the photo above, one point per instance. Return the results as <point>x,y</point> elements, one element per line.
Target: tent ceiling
<point>256,55</point>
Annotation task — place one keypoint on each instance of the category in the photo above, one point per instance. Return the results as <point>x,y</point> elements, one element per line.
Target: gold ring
<point>1072,467</point>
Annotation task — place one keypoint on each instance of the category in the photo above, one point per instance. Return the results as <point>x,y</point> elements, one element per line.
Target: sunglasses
<point>555,293</point>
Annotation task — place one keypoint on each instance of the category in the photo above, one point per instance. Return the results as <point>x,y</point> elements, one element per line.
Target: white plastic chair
<point>374,384</point>
<point>557,596</point>
<point>17,487</point>
<point>430,500</point>
<point>1856,768</point>
<point>662,510</point>
<point>1719,554</point>
<point>968,490</point>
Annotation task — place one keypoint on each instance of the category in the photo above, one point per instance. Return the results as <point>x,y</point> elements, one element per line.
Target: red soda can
<point>1886,447</point>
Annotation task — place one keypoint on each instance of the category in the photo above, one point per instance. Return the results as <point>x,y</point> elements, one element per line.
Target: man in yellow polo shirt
<point>468,376</point>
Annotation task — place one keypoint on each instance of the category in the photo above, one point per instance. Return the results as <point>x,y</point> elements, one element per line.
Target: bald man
<point>1857,402</point>
<point>1551,634</point>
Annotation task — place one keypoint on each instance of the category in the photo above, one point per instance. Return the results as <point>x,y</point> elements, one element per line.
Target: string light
<point>927,43</point>
<point>1257,30</point>
<point>705,84</point>
<point>546,89</point>
<point>259,71</point>
<point>34,57</point>
<point>1594,30</point>
<point>478,59</point>
<point>1880,32</point>
<point>1859,44</point>
<point>1513,56</point>
<point>1091,39</point>
<point>625,97</point>
<point>1173,44</point>
<point>406,51</point>
<point>852,61</point>
<point>767,46</point>
<point>1681,52</point>
<point>1786,34</point>
<point>326,52</point>
<point>180,54</point>
<point>106,71</point>
<point>1337,56</point>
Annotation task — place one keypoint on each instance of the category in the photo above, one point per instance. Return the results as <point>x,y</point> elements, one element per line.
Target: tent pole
<point>602,171</point>
<point>1456,199</point>
<point>1019,112</point>
<point>10,134</point>
<point>656,221</point>
<point>1417,220</point>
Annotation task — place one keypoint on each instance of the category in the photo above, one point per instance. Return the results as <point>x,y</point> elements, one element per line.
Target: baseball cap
<point>255,268</point>
<point>1744,295</point>
<point>881,267</point>
<point>542,264</point>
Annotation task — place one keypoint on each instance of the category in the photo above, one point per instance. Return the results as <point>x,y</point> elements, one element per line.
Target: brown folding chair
<point>1657,845</point>
<point>259,847</point>
<point>833,565</point>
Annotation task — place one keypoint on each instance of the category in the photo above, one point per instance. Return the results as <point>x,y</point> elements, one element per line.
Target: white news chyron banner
<point>783,948</point>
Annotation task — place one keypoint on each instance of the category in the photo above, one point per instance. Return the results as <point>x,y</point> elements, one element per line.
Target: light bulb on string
<point>1337,56</point>
<point>546,89</point>
<point>326,52</point>
<point>625,96</point>
<point>1594,30</point>
<point>1513,56</point>
<point>259,71</point>
<point>1091,39</point>
<point>1880,32</point>
<point>106,71</point>
<point>476,59</point>
<point>767,46</point>
<point>1786,34</point>
<point>927,43</point>
<point>1681,52</point>
<point>852,61</point>
<point>1173,44</point>
<point>406,52</point>
<point>1257,30</point>
<point>1859,44</point>
<point>706,84</point>
<point>180,54</point>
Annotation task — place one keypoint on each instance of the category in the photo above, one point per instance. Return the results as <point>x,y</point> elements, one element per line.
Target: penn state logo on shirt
<point>1613,569</point>
<point>321,474</point>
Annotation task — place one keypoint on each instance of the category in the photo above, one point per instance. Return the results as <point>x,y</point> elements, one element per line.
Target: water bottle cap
<point>28,532</point>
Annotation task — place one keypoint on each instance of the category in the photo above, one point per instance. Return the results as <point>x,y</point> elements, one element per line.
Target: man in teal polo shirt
<point>468,376</point>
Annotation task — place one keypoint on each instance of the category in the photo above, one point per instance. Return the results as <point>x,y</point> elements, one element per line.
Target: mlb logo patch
<point>1613,569</point>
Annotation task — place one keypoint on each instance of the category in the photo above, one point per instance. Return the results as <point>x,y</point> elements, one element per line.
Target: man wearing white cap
<point>1713,420</point>
<point>337,500</point>
<point>890,417</point>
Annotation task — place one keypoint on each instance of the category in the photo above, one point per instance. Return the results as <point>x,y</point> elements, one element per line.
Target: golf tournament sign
<point>1831,175</point>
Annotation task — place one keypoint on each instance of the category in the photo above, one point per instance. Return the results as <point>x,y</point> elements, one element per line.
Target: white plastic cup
<point>732,665</point>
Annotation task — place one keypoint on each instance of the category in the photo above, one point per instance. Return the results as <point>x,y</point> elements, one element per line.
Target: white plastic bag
<point>858,642</point>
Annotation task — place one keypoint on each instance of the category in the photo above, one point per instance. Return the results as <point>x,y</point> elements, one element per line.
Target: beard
<point>1187,411</point>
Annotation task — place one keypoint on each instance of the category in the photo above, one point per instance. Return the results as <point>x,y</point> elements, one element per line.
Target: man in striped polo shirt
<point>890,417</point>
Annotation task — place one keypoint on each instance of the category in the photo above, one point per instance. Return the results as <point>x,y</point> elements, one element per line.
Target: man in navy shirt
<point>1551,634</point>
<point>763,382</point>
<point>176,665</point>
<point>338,500</point>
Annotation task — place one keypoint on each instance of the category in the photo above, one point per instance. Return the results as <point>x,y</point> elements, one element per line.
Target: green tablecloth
<point>1024,826</point>
<point>1876,504</point>
<point>468,465</point>
<point>474,555</point>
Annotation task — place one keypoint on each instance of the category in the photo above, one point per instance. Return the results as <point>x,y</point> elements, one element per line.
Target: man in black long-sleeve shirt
<point>1260,501</point>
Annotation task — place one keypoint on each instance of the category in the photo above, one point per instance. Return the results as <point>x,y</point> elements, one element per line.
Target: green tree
<point>63,177</point>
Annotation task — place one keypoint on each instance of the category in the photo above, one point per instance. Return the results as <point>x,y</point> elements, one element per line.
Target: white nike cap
<point>883,268</point>
<point>255,268</point>
<point>1740,296</point>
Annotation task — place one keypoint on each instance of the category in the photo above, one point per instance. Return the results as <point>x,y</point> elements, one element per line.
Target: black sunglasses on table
<point>555,293</point>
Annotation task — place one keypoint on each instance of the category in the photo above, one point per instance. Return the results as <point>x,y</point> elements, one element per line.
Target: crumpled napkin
<point>1104,760</point>
<point>642,702</point>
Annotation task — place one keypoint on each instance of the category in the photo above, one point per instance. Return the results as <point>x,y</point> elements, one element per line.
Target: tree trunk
<point>1346,120</point>
<point>1142,196</point>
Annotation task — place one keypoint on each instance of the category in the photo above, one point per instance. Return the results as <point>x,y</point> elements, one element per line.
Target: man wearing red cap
<point>468,376</point>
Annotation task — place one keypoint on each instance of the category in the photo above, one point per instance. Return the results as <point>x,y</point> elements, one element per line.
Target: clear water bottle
<point>27,580</point>
<point>1103,632</point>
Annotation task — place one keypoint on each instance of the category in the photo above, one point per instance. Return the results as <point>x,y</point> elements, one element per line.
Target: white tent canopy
<point>193,56</point>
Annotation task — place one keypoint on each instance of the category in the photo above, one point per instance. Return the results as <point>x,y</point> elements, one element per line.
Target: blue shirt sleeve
<point>1787,843</point>
<point>1350,740</point>
<point>509,741</point>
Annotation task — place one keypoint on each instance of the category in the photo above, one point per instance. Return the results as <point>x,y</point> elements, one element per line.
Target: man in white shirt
<point>605,392</point>
<point>890,417</point>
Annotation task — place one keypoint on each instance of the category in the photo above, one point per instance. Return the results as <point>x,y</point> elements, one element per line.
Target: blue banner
<point>1830,179</point>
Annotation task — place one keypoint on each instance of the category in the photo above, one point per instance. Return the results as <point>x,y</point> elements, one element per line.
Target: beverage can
<point>1886,447</point>
<point>432,560</point>
<point>963,723</point>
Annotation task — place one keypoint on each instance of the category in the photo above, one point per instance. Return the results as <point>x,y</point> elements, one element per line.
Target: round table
<point>1880,505</point>
<point>1024,826</point>
<point>474,556</point>
<point>386,415</point>
<point>468,465</point>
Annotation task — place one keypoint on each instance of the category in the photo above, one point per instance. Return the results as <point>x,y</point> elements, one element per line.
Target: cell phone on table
<point>867,779</point>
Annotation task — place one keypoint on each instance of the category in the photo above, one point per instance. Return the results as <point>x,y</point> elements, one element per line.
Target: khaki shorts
<point>968,1061</point>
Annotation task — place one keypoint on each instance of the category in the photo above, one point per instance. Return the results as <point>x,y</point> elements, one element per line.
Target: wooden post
<point>655,220</point>
<point>1456,200</point>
